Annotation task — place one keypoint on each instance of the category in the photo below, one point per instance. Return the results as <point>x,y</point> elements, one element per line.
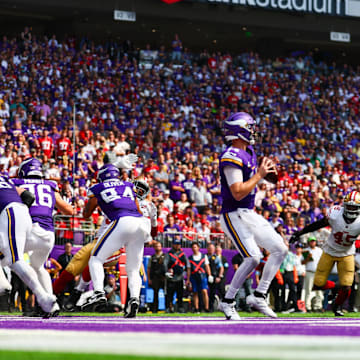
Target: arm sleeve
<point>233,175</point>
<point>314,226</point>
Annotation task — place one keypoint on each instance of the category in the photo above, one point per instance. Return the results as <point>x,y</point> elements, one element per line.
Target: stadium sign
<point>120,15</point>
<point>329,7</point>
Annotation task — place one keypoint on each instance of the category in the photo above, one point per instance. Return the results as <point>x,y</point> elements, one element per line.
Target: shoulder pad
<point>334,212</point>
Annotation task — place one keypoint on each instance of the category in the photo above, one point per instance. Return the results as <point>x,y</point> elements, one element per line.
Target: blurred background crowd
<point>167,105</point>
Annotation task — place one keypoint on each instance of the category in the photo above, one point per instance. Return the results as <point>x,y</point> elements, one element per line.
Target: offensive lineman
<point>247,229</point>
<point>339,247</point>
<point>47,196</point>
<point>15,230</point>
<point>128,228</point>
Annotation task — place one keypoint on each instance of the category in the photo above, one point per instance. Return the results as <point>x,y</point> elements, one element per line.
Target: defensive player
<point>47,197</point>
<point>15,229</point>
<point>147,207</point>
<point>248,230</point>
<point>128,228</point>
<point>339,247</point>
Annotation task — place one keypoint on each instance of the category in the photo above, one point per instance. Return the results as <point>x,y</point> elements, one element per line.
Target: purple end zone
<point>248,326</point>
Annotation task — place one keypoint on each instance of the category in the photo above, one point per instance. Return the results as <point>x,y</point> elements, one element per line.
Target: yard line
<point>222,346</point>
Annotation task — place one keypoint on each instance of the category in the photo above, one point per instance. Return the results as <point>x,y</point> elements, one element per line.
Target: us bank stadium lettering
<point>329,7</point>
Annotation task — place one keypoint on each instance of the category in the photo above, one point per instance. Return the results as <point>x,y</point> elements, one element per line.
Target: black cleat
<point>132,308</point>
<point>70,303</point>
<point>337,311</point>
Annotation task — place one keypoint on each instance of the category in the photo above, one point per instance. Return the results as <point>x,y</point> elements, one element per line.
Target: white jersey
<point>341,241</point>
<point>149,210</point>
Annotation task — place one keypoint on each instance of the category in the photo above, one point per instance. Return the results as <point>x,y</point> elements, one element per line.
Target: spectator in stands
<point>112,291</point>
<point>198,194</point>
<point>65,258</point>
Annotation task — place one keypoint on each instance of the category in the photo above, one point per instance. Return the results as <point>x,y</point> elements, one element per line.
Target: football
<point>270,177</point>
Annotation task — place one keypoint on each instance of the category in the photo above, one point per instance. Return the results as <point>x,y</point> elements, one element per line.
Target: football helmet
<point>352,205</point>
<point>30,168</point>
<point>108,172</point>
<point>142,189</point>
<point>240,126</point>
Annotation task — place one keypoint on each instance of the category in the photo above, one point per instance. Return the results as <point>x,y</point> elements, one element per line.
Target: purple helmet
<point>108,172</point>
<point>30,168</point>
<point>240,126</point>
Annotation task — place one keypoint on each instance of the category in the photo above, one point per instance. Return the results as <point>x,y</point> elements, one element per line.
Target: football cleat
<point>55,311</point>
<point>337,310</point>
<point>132,308</point>
<point>260,305</point>
<point>94,302</point>
<point>70,303</point>
<point>229,310</point>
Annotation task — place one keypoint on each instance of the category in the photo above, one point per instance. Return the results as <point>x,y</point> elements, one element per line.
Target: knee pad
<point>319,281</point>
<point>252,261</point>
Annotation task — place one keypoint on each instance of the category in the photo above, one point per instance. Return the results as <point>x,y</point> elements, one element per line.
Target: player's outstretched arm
<point>64,207</point>
<point>90,207</point>
<point>240,189</point>
<point>310,228</point>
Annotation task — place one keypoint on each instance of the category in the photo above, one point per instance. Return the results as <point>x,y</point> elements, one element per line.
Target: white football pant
<point>127,231</point>
<point>39,246</point>
<point>15,229</point>
<point>249,231</point>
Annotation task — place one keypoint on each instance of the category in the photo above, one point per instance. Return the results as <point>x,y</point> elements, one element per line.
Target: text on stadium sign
<point>329,7</point>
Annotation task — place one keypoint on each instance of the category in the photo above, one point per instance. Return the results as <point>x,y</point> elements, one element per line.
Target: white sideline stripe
<point>194,345</point>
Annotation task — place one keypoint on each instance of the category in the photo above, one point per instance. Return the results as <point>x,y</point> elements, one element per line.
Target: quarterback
<point>339,247</point>
<point>248,230</point>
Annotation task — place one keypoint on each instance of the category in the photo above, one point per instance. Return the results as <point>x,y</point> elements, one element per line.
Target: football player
<point>339,247</point>
<point>128,227</point>
<point>147,207</point>
<point>47,197</point>
<point>78,264</point>
<point>247,229</point>
<point>15,231</point>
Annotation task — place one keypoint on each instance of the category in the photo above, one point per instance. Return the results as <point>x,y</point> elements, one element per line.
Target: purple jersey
<point>42,209</point>
<point>116,198</point>
<point>245,161</point>
<point>8,193</point>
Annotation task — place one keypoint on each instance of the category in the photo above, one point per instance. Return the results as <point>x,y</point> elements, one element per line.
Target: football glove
<point>126,161</point>
<point>210,279</point>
